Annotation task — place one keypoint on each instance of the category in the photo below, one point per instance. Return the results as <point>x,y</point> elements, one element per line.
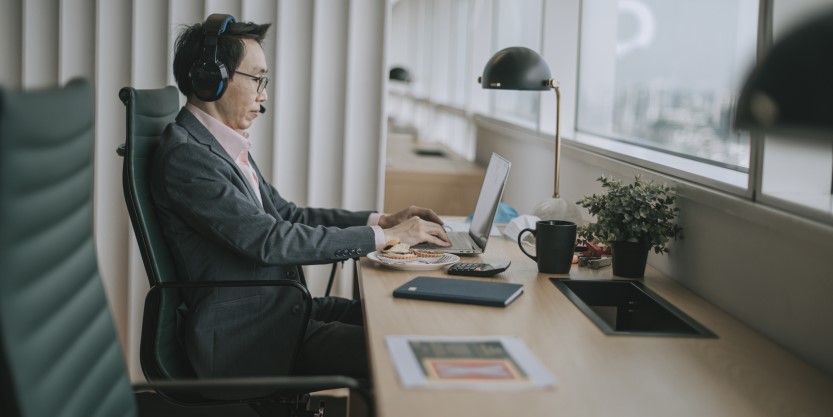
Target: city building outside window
<point>665,75</point>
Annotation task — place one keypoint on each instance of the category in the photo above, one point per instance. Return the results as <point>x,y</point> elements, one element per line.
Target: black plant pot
<point>629,258</point>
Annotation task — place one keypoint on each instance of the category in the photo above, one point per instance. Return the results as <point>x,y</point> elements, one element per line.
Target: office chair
<point>59,355</point>
<point>162,359</point>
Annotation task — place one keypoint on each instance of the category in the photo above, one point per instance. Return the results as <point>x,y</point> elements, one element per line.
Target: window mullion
<point>756,139</point>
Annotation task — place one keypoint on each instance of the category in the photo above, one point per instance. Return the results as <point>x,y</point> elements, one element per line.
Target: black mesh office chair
<point>148,112</point>
<point>59,353</point>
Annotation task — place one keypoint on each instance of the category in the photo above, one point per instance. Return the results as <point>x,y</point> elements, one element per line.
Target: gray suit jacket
<point>217,231</point>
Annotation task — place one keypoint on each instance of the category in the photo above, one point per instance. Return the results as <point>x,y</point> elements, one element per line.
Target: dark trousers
<point>335,342</point>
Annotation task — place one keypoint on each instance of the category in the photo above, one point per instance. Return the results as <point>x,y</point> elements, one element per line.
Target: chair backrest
<point>59,353</point>
<point>148,113</point>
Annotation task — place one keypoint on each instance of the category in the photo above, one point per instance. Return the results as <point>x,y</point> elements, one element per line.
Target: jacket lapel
<point>203,136</point>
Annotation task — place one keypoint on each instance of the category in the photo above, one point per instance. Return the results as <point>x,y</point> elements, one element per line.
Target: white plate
<point>422,264</point>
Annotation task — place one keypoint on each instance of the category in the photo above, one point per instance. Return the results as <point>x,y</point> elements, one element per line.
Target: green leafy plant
<point>642,211</point>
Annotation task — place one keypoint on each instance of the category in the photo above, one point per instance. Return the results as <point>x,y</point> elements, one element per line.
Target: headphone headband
<point>209,77</point>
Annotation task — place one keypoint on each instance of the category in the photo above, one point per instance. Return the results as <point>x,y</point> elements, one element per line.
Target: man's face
<point>240,104</point>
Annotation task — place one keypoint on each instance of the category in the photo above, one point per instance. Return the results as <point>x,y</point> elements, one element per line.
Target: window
<point>462,80</point>
<point>517,23</point>
<point>797,173</point>
<point>652,83</point>
<point>664,75</point>
<point>441,51</point>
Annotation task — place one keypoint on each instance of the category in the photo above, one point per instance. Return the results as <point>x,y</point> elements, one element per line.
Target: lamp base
<point>559,209</point>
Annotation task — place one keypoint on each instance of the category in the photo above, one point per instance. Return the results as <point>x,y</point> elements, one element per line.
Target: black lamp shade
<point>791,90</point>
<point>516,68</point>
<point>400,74</point>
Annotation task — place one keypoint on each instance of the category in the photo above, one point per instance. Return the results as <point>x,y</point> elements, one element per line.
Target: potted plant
<point>632,219</point>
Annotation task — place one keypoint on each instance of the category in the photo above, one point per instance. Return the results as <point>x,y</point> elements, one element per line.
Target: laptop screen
<point>487,203</point>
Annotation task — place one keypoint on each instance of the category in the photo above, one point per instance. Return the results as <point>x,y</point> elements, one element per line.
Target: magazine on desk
<point>479,363</point>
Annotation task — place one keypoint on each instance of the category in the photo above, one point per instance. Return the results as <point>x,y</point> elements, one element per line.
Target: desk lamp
<point>400,79</point>
<point>520,68</point>
<point>400,74</point>
<point>790,91</point>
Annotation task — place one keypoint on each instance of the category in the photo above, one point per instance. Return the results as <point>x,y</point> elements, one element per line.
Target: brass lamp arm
<point>555,86</point>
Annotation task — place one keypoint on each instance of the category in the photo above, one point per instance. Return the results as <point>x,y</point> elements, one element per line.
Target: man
<point>222,221</point>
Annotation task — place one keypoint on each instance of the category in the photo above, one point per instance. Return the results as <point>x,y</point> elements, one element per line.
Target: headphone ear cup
<point>209,80</point>
<point>209,77</point>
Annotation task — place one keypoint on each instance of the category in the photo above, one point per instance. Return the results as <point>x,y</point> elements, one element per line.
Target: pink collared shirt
<point>236,143</point>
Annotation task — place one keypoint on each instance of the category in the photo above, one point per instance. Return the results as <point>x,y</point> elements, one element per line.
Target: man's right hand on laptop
<point>390,220</point>
<point>416,230</point>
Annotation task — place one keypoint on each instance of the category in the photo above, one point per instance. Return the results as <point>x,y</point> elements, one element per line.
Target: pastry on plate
<point>428,253</point>
<point>398,251</point>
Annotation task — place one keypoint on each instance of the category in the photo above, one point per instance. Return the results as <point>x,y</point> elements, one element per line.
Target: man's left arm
<point>330,217</point>
<point>347,218</point>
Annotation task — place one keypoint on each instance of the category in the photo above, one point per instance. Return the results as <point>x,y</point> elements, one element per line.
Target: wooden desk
<point>739,374</point>
<point>448,184</point>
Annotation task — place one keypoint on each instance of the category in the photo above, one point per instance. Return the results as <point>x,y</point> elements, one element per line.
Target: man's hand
<point>415,230</point>
<point>391,220</point>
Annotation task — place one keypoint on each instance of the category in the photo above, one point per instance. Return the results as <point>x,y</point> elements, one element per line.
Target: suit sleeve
<point>318,216</point>
<point>206,192</point>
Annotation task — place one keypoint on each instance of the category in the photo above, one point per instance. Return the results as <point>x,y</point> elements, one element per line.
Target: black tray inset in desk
<point>629,308</point>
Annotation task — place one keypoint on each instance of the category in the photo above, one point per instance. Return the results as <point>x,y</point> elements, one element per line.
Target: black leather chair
<point>162,359</point>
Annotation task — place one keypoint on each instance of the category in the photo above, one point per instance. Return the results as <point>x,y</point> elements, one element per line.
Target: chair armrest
<point>277,383</point>
<point>245,283</point>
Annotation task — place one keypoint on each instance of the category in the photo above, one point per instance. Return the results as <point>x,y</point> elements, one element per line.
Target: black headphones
<point>209,77</point>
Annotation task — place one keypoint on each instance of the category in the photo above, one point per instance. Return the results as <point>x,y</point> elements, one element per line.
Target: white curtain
<point>320,142</point>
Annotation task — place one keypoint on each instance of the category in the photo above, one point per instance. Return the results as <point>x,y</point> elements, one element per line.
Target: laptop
<point>474,241</point>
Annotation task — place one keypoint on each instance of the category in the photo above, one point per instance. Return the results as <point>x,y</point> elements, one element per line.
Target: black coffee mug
<point>555,243</point>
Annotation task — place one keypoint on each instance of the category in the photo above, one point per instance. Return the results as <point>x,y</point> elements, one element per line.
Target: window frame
<point>709,175</point>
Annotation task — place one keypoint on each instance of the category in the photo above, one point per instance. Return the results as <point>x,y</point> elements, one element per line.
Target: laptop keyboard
<point>459,240</point>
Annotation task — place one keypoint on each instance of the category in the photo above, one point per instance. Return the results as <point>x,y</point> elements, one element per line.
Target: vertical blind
<point>320,142</point>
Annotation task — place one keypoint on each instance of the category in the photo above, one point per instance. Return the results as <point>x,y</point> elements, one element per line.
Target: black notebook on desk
<point>488,293</point>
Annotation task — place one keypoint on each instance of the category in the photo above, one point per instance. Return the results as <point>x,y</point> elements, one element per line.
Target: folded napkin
<point>514,227</point>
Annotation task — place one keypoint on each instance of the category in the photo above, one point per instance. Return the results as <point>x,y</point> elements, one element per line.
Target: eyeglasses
<point>261,81</point>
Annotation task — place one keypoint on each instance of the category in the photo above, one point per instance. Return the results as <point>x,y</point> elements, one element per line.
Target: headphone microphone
<point>209,77</point>
<point>262,108</point>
